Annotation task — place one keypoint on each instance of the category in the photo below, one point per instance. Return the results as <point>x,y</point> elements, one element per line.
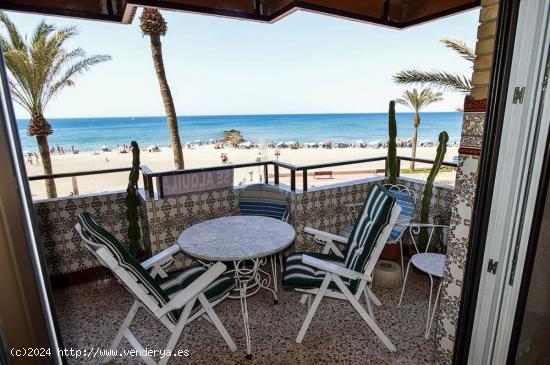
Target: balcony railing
<point>149,175</point>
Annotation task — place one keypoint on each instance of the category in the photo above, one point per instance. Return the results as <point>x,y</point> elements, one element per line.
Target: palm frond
<point>461,47</point>
<point>15,38</point>
<point>19,96</point>
<point>41,66</point>
<point>403,102</point>
<point>66,79</point>
<point>436,79</point>
<point>416,101</point>
<point>41,32</point>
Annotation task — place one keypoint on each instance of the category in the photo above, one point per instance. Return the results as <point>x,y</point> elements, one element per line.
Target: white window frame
<point>520,158</point>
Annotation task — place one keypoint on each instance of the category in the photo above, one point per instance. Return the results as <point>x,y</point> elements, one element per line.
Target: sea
<point>90,134</point>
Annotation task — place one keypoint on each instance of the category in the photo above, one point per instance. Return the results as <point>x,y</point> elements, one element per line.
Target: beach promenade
<point>207,155</point>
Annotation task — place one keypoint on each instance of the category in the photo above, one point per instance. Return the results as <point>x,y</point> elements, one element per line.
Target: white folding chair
<point>326,274</point>
<point>174,300</point>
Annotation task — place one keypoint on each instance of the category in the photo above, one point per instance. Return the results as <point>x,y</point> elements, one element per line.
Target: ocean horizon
<point>90,134</point>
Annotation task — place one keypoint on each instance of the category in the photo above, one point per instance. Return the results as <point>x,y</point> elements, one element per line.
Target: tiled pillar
<point>475,106</point>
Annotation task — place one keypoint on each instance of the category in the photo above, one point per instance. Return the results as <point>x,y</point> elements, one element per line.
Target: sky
<point>304,63</point>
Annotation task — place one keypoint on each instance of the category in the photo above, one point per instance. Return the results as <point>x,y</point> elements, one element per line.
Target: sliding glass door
<point>530,345</point>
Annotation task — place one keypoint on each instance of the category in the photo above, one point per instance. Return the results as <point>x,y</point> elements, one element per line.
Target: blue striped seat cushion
<point>405,201</point>
<point>263,200</point>
<point>160,290</point>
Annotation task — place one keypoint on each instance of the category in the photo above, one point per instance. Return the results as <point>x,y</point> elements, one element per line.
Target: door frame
<point>496,105</point>
<point>530,254</point>
<point>28,303</point>
<point>505,233</point>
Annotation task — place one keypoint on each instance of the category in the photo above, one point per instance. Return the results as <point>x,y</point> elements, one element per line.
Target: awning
<point>391,13</point>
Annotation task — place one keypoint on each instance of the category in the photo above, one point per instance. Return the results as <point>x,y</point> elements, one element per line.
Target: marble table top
<point>236,238</point>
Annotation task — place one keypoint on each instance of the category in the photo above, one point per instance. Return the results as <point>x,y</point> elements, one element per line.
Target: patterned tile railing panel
<point>442,197</point>
<point>325,209</point>
<point>63,249</point>
<point>162,220</point>
<point>168,217</point>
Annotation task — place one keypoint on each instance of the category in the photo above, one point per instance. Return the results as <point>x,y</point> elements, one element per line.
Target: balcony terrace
<point>91,304</point>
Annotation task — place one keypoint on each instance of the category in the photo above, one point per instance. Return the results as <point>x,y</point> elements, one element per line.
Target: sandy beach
<point>207,155</point>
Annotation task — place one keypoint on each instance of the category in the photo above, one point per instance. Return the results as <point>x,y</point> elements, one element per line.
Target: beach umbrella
<point>280,144</point>
<point>360,143</point>
<point>375,144</point>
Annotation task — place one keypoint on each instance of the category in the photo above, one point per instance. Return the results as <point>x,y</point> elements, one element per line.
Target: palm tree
<point>416,101</point>
<point>442,80</point>
<point>40,68</point>
<point>154,25</point>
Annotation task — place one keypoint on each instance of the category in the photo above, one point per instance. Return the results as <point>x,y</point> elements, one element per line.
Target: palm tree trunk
<point>44,150</point>
<point>171,118</point>
<point>416,123</point>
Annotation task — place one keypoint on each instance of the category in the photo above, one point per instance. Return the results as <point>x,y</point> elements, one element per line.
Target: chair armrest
<point>326,235</point>
<point>333,268</point>
<point>427,225</point>
<point>161,257</point>
<point>194,289</point>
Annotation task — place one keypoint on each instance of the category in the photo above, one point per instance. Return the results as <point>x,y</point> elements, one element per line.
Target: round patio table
<point>248,241</point>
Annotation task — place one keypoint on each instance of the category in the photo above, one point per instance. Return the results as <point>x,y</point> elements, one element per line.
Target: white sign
<point>197,181</point>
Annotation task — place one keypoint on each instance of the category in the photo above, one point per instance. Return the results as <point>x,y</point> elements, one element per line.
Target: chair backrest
<point>264,200</point>
<point>371,231</point>
<point>111,254</point>
<point>406,199</point>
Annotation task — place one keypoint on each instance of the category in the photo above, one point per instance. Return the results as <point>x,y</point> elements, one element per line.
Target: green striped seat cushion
<point>406,202</point>
<point>373,218</point>
<point>299,275</point>
<point>263,200</point>
<point>176,282</point>
<point>160,291</point>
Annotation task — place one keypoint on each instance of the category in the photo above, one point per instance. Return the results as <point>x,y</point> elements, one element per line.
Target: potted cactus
<point>132,204</point>
<point>428,191</point>
<point>391,252</point>
<point>391,161</point>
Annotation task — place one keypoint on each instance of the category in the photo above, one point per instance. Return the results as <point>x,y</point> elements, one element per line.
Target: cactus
<point>391,161</point>
<point>132,204</point>
<point>427,199</point>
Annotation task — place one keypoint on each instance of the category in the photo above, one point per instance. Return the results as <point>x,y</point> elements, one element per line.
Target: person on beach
<point>36,158</point>
<point>29,158</point>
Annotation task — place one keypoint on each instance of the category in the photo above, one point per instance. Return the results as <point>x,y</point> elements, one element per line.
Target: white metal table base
<point>249,282</point>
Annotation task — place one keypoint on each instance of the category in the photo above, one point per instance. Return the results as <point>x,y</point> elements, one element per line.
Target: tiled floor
<point>90,314</point>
